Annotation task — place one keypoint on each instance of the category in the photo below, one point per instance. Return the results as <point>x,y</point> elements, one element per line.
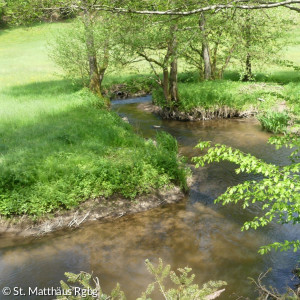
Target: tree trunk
<point>105,62</point>
<point>248,69</point>
<point>169,82</point>
<point>165,84</point>
<point>173,86</point>
<point>248,74</point>
<point>205,49</point>
<point>95,82</point>
<point>173,81</point>
<point>228,58</point>
<point>214,71</point>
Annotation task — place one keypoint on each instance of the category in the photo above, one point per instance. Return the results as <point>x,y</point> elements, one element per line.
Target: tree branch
<point>217,7</point>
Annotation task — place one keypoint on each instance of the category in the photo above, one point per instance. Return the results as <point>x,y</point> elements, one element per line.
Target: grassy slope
<point>57,148</point>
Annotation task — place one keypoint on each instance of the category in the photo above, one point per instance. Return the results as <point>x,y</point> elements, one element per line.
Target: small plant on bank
<point>88,287</point>
<point>272,121</point>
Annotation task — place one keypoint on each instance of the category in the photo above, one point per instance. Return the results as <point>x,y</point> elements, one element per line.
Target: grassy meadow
<point>58,144</point>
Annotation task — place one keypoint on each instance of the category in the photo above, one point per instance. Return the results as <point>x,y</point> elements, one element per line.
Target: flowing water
<point>195,232</point>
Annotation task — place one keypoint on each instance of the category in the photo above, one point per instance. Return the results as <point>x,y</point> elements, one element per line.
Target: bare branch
<point>293,8</point>
<point>149,59</point>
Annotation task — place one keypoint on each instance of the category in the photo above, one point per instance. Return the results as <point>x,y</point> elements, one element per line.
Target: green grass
<point>280,76</point>
<point>220,93</point>
<point>58,145</point>
<point>272,121</point>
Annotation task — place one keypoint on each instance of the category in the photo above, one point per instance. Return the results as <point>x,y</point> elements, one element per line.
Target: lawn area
<point>58,144</point>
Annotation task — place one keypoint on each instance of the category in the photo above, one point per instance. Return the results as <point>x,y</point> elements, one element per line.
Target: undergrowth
<point>221,93</point>
<point>65,158</point>
<point>273,121</point>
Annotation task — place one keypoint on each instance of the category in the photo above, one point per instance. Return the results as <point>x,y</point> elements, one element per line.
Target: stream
<point>194,232</point>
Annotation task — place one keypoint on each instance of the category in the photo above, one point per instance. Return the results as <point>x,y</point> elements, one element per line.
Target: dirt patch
<point>100,209</point>
<point>198,114</point>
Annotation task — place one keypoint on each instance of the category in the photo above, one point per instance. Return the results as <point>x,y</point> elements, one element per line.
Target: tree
<point>260,38</point>
<point>157,41</point>
<point>278,191</point>
<point>28,12</point>
<point>96,70</point>
<point>213,44</point>
<point>244,38</point>
<point>2,13</point>
<point>83,48</point>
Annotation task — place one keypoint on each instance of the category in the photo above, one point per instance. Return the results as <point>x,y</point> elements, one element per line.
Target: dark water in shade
<point>195,232</point>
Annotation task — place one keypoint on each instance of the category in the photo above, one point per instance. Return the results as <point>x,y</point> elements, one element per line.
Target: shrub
<point>68,48</point>
<point>276,122</point>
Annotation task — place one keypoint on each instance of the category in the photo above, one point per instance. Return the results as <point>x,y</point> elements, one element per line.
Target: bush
<point>276,122</point>
<point>69,51</point>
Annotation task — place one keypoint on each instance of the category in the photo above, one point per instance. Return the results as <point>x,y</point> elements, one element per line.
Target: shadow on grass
<point>281,77</point>
<point>82,128</point>
<point>44,88</point>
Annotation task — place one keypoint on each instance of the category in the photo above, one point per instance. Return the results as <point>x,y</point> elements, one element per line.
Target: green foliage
<point>262,36</point>
<point>85,289</point>
<point>28,12</point>
<point>220,93</point>
<point>184,288</point>
<point>68,47</point>
<point>292,94</point>
<point>2,13</point>
<point>58,146</point>
<point>80,153</point>
<point>166,141</point>
<point>278,191</point>
<point>273,121</point>
<point>281,77</point>
<point>167,160</point>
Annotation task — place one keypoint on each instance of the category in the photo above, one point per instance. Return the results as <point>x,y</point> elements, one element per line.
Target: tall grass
<point>221,93</point>
<point>276,122</point>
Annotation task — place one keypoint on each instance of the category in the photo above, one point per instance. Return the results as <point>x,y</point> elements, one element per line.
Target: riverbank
<point>275,103</point>
<point>222,99</point>
<point>99,209</point>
